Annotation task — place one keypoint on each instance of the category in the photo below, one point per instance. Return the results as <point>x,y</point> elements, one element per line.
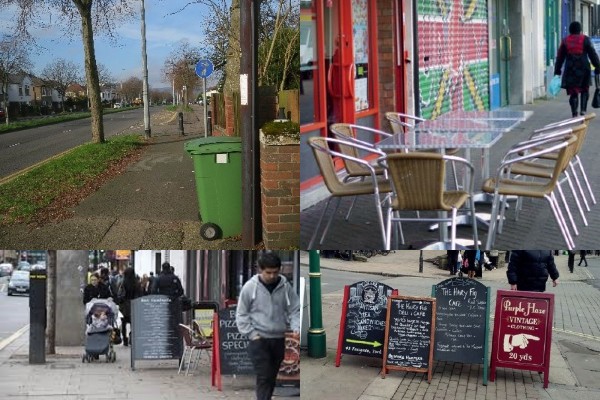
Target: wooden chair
<point>340,188</point>
<point>418,180</point>
<point>504,184</point>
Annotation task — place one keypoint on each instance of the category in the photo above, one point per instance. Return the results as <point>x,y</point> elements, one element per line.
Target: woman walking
<point>576,52</point>
<point>129,289</point>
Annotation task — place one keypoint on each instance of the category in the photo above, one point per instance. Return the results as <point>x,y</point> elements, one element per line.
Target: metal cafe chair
<point>536,169</point>
<point>339,188</point>
<point>348,133</point>
<point>418,180</point>
<point>504,184</point>
<point>190,346</point>
<point>401,121</point>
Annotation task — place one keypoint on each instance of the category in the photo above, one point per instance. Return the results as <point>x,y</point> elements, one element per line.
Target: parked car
<point>2,114</point>
<point>117,105</point>
<point>6,269</point>
<point>24,266</point>
<point>19,283</point>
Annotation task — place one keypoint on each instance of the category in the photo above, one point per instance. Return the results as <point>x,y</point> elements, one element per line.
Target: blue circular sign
<point>204,68</point>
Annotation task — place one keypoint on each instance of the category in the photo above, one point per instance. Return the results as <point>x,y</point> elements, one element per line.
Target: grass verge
<point>34,123</point>
<point>175,108</point>
<point>26,195</point>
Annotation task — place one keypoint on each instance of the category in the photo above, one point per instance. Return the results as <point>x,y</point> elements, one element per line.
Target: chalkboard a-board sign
<point>462,322</point>
<point>231,354</point>
<point>362,325</point>
<point>155,322</point>
<point>409,335</point>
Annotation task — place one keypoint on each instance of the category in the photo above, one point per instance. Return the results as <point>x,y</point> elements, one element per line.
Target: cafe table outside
<point>463,130</point>
<point>535,227</point>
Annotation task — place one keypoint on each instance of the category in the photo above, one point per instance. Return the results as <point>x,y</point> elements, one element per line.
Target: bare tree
<point>179,67</point>
<point>91,16</point>
<point>59,74</point>
<point>105,76</point>
<point>14,57</point>
<point>131,88</point>
<point>158,96</point>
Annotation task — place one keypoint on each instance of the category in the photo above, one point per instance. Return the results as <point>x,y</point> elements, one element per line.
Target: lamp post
<point>317,346</point>
<point>145,73</point>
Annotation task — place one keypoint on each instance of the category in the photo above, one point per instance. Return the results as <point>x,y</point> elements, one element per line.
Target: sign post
<point>37,313</point>
<point>522,332</point>
<point>203,69</point>
<point>362,324</point>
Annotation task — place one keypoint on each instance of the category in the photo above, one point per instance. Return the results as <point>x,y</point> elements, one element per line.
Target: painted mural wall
<point>453,56</point>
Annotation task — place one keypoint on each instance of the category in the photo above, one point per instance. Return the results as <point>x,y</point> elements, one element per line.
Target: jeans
<point>266,355</point>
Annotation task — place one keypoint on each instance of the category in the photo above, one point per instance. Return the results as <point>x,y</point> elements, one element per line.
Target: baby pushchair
<point>100,320</point>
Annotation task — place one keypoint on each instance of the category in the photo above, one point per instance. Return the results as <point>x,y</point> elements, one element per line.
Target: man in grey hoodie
<point>267,308</point>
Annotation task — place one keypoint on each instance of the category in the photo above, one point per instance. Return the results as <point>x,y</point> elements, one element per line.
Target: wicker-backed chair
<point>400,122</point>
<point>418,180</point>
<point>339,188</point>
<point>504,184</point>
<point>536,169</point>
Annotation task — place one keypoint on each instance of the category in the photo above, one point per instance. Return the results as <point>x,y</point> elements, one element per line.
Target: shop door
<point>504,49</point>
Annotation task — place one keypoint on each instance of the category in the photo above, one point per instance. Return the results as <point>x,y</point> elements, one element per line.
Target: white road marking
<point>13,337</point>
<point>13,145</point>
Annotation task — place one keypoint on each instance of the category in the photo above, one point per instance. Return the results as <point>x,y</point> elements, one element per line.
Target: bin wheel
<point>210,231</point>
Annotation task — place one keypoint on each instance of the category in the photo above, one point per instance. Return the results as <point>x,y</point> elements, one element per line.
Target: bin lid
<point>214,145</point>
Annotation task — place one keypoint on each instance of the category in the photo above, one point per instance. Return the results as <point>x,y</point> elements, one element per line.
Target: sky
<point>123,59</point>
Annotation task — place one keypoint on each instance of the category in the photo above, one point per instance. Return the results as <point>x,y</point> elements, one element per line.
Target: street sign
<point>204,68</point>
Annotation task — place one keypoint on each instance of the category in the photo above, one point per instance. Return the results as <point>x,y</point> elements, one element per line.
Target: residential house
<point>44,97</point>
<point>75,90</point>
<point>28,94</point>
<point>108,93</point>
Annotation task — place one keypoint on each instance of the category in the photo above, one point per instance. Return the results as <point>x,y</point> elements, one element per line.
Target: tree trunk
<point>51,303</point>
<point>91,71</point>
<point>5,95</point>
<point>288,58</point>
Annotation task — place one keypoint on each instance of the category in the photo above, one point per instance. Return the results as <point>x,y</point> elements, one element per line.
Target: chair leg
<point>314,236</point>
<point>400,231</point>
<point>502,212</point>
<point>561,221</point>
<point>188,362</point>
<point>585,178</point>
<point>493,223</point>
<point>474,222</point>
<point>337,205</point>
<point>380,217</point>
<point>182,361</point>
<point>453,230</point>
<point>579,187</point>
<point>388,229</point>
<point>566,205</point>
<point>353,202</point>
<point>576,196</point>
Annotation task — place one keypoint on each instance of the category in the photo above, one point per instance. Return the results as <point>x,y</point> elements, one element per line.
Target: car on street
<point>6,269</point>
<point>2,114</point>
<point>24,266</point>
<point>19,283</point>
<point>117,105</point>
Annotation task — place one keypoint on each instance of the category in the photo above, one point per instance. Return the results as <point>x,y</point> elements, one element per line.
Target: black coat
<point>167,284</point>
<point>95,292</point>
<point>529,269</point>
<point>576,52</point>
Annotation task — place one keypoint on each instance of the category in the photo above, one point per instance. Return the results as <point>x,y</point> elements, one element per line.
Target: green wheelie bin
<point>218,172</point>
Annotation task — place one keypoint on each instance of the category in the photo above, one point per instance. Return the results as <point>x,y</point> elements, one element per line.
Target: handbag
<point>596,99</point>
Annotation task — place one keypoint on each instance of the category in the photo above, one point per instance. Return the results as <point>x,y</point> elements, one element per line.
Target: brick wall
<point>280,192</point>
<point>385,49</point>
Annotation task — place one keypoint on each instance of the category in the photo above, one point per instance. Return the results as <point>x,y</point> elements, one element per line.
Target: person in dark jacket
<point>529,270</point>
<point>167,283</point>
<point>95,290</point>
<point>130,289</point>
<point>582,254</point>
<point>571,261</point>
<point>452,257</point>
<point>576,52</point>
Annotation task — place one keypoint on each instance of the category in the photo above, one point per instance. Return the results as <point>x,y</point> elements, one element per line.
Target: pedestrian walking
<point>576,52</point>
<point>494,256</point>
<point>452,261</point>
<point>145,285</point>
<point>470,259</point>
<point>267,308</point>
<point>530,269</point>
<point>128,289</point>
<point>582,258</point>
<point>167,283</point>
<point>571,261</point>
<point>95,290</point>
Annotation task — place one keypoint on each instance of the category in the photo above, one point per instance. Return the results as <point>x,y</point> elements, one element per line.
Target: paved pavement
<point>575,354</point>
<point>535,229</point>
<point>153,204</point>
<point>65,377</point>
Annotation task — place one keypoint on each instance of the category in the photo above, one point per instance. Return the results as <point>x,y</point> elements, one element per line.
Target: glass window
<point>360,14</point>
<point>26,90</point>
<point>308,63</point>
<point>20,90</point>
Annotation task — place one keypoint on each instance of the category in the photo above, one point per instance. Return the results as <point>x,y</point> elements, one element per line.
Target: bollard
<point>181,124</point>
<point>209,123</point>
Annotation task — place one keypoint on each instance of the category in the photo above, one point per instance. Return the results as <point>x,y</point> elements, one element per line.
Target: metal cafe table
<point>459,129</point>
